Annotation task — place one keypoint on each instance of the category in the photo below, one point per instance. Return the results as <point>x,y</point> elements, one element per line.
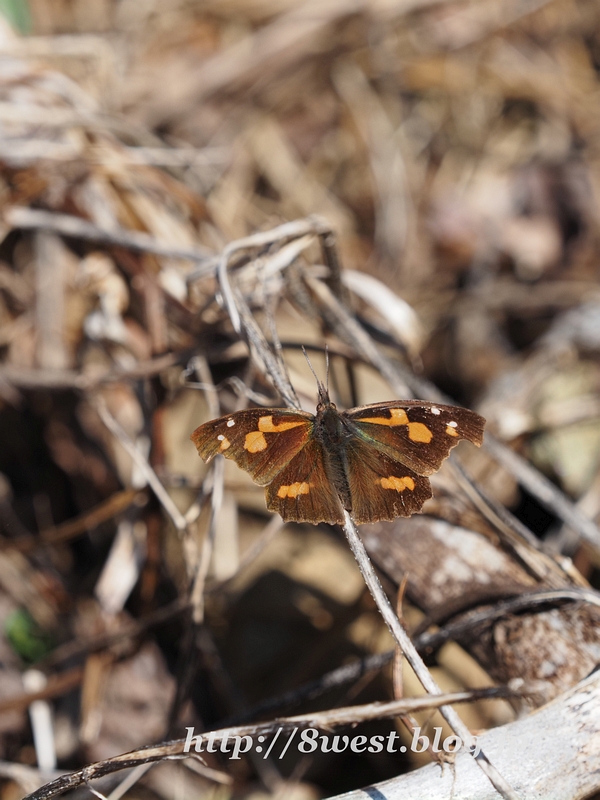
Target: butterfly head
<point>324,399</point>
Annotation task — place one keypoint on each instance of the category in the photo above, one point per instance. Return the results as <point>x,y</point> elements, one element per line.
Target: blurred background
<point>454,149</point>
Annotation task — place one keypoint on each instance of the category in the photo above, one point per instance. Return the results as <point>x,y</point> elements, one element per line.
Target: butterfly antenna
<point>327,368</point>
<point>322,390</point>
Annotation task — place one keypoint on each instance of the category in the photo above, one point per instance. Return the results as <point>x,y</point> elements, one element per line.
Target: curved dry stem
<point>406,645</point>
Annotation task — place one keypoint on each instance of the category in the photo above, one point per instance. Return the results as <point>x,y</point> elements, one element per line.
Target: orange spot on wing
<point>293,490</point>
<point>398,484</point>
<point>225,443</point>
<point>451,431</point>
<point>397,417</point>
<point>265,424</point>
<point>417,432</point>
<point>255,442</point>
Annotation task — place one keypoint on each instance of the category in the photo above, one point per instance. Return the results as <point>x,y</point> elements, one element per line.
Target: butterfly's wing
<point>381,487</point>
<point>302,490</point>
<point>419,435</point>
<point>261,441</point>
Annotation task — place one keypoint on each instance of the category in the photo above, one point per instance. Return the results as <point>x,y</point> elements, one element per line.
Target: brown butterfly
<point>372,460</point>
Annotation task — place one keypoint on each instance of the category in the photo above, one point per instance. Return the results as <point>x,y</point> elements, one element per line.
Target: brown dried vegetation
<point>185,186</point>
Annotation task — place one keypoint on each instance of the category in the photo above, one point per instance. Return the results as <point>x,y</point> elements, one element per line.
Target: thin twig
<point>274,263</point>
<point>197,592</point>
<point>28,778</point>
<point>264,538</point>
<point>159,490</point>
<point>96,793</point>
<point>199,365</point>
<point>392,198</point>
<point>87,521</point>
<point>77,228</point>
<point>544,490</point>
<point>525,546</point>
<point>58,379</point>
<point>341,676</point>
<point>125,785</point>
<point>238,386</point>
<point>262,352</point>
<point>56,686</point>
<point>406,645</point>
<point>408,720</point>
<point>218,476</point>
<point>471,621</point>
<point>194,765</point>
<point>130,630</point>
<point>245,325</point>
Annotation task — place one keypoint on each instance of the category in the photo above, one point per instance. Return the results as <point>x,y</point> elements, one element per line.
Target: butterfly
<point>372,461</point>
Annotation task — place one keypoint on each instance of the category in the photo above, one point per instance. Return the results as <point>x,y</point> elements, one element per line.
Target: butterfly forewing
<point>303,491</point>
<point>420,435</point>
<point>260,440</point>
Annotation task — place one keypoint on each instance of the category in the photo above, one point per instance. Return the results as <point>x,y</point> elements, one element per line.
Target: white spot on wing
<point>453,424</point>
<point>435,410</point>
<point>230,423</point>
<point>220,437</point>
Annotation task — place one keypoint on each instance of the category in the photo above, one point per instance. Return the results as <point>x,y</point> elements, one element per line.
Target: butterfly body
<point>333,432</point>
<point>372,461</point>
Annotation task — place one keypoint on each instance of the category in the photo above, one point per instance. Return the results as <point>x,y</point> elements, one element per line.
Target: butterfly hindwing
<point>260,440</point>
<point>302,491</point>
<point>381,487</point>
<point>418,434</point>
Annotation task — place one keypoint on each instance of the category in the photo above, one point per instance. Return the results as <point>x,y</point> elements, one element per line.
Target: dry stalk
<point>66,225</point>
<point>525,546</point>
<point>159,490</point>
<point>218,476</point>
<point>406,645</point>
